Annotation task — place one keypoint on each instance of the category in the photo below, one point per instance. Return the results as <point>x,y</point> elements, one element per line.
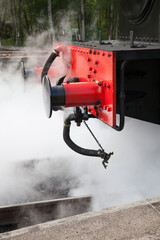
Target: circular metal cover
<point>47,91</point>
<point>136,11</point>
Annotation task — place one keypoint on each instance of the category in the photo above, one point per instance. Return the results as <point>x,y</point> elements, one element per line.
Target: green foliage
<point>7,42</point>
<point>20,19</point>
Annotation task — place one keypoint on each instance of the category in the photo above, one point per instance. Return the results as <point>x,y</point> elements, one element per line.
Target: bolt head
<point>109,109</point>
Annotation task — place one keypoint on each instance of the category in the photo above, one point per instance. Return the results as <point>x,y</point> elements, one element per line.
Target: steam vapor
<point>133,172</point>
<point>26,134</point>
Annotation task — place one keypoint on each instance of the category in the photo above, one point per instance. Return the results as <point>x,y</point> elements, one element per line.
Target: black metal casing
<point>139,48</point>
<point>140,16</point>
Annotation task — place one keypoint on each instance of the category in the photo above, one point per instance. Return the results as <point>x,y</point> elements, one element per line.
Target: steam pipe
<point>48,63</point>
<point>75,147</point>
<point>51,58</point>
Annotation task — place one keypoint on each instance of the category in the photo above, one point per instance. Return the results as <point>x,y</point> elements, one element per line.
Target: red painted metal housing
<point>96,71</point>
<point>97,66</point>
<point>82,94</point>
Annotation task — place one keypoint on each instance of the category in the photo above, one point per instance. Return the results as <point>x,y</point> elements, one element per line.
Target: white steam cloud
<point>133,172</point>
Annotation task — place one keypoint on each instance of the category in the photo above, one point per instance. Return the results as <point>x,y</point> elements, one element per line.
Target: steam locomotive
<point>106,79</point>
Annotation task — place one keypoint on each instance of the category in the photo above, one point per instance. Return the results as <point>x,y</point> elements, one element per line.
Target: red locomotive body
<point>106,78</point>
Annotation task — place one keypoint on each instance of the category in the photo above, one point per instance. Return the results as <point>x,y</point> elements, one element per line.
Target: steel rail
<point>17,216</point>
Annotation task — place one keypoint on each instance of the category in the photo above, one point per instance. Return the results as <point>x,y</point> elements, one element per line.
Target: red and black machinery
<point>106,78</point>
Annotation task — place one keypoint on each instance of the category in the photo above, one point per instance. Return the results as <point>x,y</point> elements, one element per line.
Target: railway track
<point>16,56</point>
<point>12,54</point>
<point>20,53</point>
<point>18,216</point>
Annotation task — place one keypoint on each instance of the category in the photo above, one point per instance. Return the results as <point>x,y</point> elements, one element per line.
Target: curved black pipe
<point>48,63</point>
<point>72,145</point>
<point>87,152</point>
<point>83,151</point>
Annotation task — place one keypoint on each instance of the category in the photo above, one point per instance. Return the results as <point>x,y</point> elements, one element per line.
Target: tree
<point>83,35</point>
<point>20,23</point>
<point>50,20</point>
<point>14,21</point>
<point>22,18</point>
<point>3,15</point>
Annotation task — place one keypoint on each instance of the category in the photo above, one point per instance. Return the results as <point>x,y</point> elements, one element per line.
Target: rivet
<point>109,109</point>
<point>94,71</point>
<point>104,107</point>
<point>104,84</point>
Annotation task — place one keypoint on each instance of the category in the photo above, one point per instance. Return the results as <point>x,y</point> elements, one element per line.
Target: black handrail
<point>122,97</point>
